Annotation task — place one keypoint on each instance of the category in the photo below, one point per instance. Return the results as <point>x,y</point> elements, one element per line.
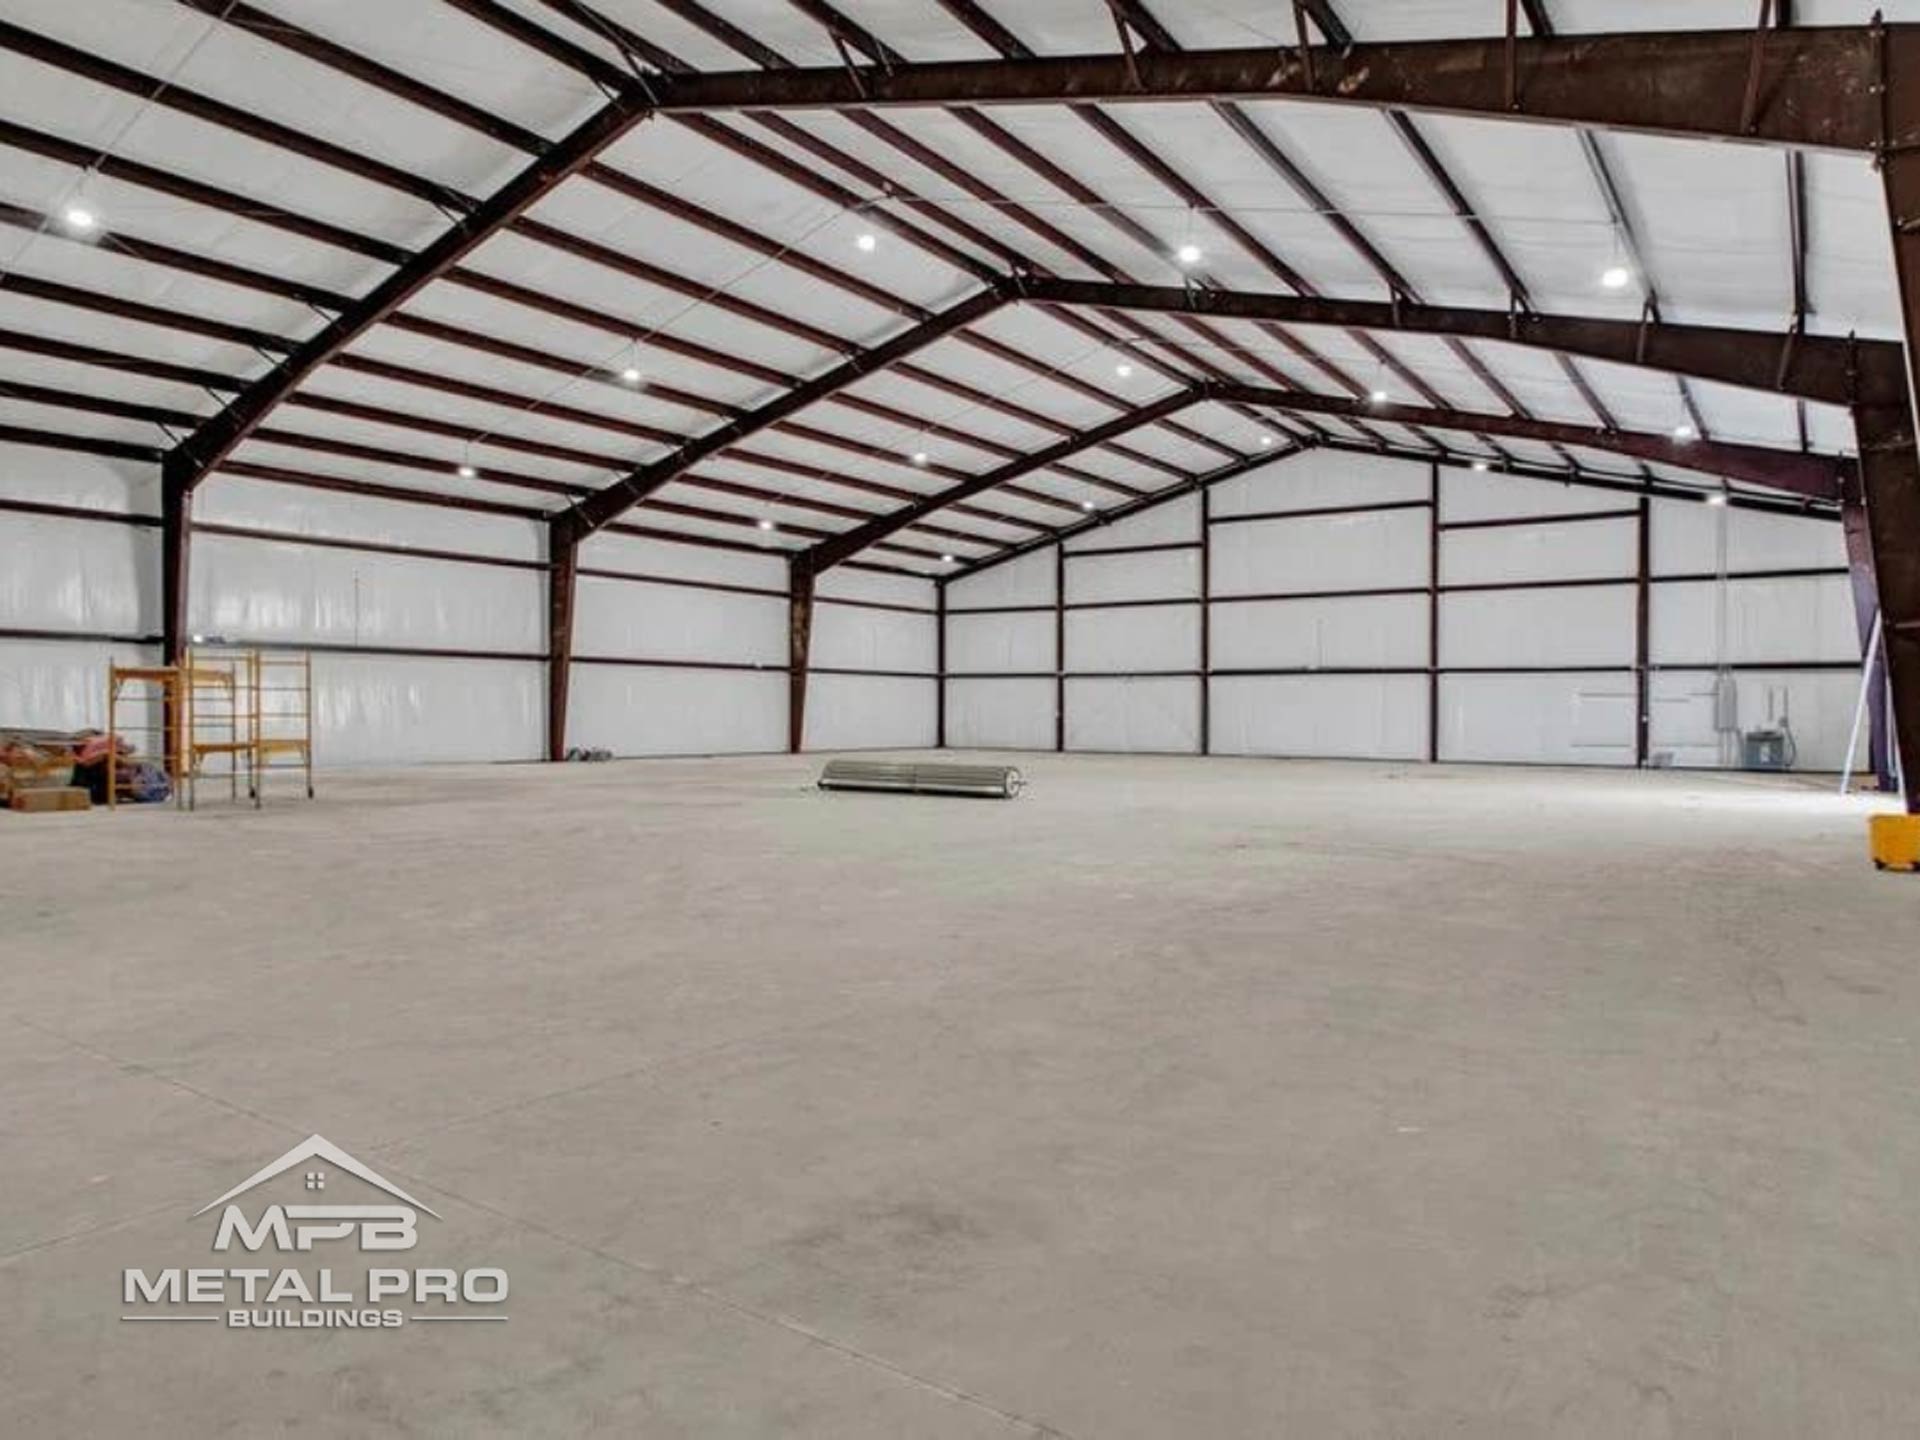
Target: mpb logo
<point>331,1297</point>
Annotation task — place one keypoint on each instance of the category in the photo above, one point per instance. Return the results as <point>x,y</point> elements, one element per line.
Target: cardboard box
<point>49,798</point>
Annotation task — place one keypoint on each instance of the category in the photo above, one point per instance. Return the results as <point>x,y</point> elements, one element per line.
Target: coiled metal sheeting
<point>994,782</point>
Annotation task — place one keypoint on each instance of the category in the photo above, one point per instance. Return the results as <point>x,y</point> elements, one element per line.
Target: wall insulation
<point>1368,606</point>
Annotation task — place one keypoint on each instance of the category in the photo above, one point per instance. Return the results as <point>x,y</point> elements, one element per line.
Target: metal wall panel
<point>1570,550</point>
<point>1686,540</point>
<point>288,593</point>
<point>296,511</point>
<point>392,709</point>
<point>1147,637</point>
<point>1372,631</point>
<point>1320,478</point>
<point>1767,622</point>
<point>841,583</point>
<point>870,712</point>
<point>636,620</point>
<point>1488,495</point>
<point>81,575</point>
<point>1562,719</point>
<point>1025,581</point>
<point>987,714</point>
<point>649,710</point>
<point>1136,716</point>
<point>87,482</point>
<point>1175,522</point>
<point>1155,575</point>
<point>1323,552</point>
<point>1818,706</point>
<point>1582,625</point>
<point>62,684</point>
<point>850,637</point>
<point>1381,717</point>
<point>1023,641</point>
<point>639,555</point>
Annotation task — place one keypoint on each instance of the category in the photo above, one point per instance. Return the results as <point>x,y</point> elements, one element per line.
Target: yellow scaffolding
<point>223,712</point>
<point>148,686</point>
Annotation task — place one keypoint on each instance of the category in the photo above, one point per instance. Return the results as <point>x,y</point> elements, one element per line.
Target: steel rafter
<point>1682,83</point>
<point>1833,371</point>
<point>1809,475</point>
<point>842,548</point>
<point>606,505</point>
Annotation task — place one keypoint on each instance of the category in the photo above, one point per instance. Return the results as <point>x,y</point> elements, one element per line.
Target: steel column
<point>563,563</point>
<point>1060,645</point>
<point>1206,621</point>
<point>1433,613</point>
<point>1642,631</point>
<point>1889,463</point>
<point>799,649</point>
<point>940,665</point>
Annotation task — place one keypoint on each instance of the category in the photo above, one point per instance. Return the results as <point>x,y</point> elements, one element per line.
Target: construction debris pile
<point>48,770</point>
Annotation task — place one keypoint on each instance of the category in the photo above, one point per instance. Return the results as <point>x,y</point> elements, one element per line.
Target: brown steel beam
<point>799,651</point>
<point>563,566</point>
<point>1833,371</point>
<point>844,547</point>
<point>1819,90</point>
<point>606,505</point>
<point>1889,463</point>
<point>1807,475</point>
<point>189,462</point>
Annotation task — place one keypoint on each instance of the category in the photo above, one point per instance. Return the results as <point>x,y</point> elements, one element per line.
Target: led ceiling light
<point>466,472</point>
<point>80,218</point>
<point>1718,497</point>
<point>766,524</point>
<point>1684,432</point>
<point>1615,277</point>
<point>1086,505</point>
<point>946,559</point>
<point>1481,465</point>
<point>868,242</point>
<point>1378,397</point>
<point>1266,442</point>
<point>1189,254</point>
<point>919,457</point>
<point>1123,370</point>
<point>631,374</point>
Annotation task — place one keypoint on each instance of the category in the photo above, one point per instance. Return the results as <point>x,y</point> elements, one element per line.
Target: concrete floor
<point>1177,1099</point>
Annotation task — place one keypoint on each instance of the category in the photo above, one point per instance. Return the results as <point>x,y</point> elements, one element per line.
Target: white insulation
<point>1534,619</point>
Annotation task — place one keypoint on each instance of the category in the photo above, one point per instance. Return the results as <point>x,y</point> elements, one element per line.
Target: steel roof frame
<point>1840,88</point>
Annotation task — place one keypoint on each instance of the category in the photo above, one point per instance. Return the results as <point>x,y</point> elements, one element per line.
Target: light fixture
<point>1378,397</point>
<point>1718,497</point>
<point>80,218</point>
<point>766,524</point>
<point>1188,254</point>
<point>1123,370</point>
<point>946,559</point>
<point>868,242</point>
<point>631,374</point>
<point>1684,432</point>
<point>1615,277</point>
<point>1481,466</point>
<point>919,457</point>
<point>1086,505</point>
<point>1266,442</point>
<point>466,472</point>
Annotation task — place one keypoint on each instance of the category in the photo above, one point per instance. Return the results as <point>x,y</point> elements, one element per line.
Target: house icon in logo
<point>317,1147</point>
